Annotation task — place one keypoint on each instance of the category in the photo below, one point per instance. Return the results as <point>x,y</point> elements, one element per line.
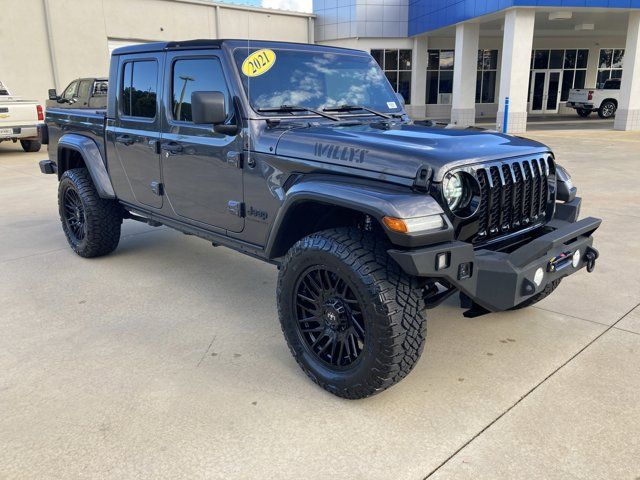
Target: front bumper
<point>499,281</point>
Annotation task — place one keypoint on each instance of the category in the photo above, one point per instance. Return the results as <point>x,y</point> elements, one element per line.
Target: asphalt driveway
<point>166,359</point>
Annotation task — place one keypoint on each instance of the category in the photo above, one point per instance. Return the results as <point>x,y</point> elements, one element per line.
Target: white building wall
<point>73,39</point>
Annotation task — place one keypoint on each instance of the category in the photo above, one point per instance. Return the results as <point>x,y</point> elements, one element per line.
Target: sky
<point>297,5</point>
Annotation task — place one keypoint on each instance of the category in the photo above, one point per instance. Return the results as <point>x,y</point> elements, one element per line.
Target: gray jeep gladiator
<point>303,156</point>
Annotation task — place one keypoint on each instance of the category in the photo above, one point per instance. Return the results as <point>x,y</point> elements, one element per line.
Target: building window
<point>487,74</point>
<point>439,76</point>
<point>572,62</point>
<point>396,65</point>
<point>574,71</point>
<point>610,64</point>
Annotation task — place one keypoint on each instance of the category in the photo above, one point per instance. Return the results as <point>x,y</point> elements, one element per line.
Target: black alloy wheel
<point>74,215</point>
<point>329,317</point>
<point>352,318</point>
<point>90,223</point>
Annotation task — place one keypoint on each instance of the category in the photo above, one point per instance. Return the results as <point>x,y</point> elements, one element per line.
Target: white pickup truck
<point>19,120</point>
<point>603,100</point>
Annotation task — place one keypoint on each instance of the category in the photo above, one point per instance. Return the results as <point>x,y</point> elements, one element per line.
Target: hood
<point>401,149</point>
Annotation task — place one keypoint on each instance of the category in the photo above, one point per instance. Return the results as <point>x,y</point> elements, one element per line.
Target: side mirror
<point>208,108</point>
<point>53,95</point>
<point>400,98</point>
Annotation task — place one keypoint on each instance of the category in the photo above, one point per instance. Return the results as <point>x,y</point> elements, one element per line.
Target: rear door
<point>202,169</point>
<point>136,130</point>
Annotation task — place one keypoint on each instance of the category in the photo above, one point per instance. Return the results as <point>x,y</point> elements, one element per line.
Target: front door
<point>137,129</point>
<point>545,91</point>
<point>202,169</point>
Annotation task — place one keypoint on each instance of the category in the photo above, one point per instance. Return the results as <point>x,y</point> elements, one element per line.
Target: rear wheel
<point>90,223</point>
<point>607,109</point>
<point>584,113</point>
<point>352,318</point>
<point>30,145</point>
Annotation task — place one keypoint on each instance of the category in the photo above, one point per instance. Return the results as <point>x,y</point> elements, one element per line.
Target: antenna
<point>249,127</point>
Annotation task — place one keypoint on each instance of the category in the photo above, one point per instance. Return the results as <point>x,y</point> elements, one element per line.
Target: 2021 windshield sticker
<point>259,62</point>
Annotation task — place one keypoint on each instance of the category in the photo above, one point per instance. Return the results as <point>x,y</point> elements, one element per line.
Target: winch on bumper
<point>498,280</point>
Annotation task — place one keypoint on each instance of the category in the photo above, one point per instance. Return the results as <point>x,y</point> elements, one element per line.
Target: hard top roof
<point>207,43</point>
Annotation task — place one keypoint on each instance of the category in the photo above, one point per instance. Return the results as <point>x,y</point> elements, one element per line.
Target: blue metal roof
<point>427,15</point>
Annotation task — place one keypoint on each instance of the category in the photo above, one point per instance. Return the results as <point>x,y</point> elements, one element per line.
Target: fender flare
<point>374,199</point>
<point>92,157</point>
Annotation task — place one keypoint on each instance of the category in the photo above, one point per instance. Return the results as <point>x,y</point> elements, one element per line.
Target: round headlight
<point>453,190</point>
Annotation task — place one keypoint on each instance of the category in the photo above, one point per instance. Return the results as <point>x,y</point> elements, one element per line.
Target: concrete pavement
<point>166,358</point>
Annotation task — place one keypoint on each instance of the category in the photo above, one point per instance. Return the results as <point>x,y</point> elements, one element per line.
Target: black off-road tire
<point>548,290</point>
<point>391,303</point>
<point>607,109</point>
<point>30,145</point>
<point>102,219</point>
<point>583,112</point>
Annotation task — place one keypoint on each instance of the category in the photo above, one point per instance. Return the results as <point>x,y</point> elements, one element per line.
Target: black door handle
<point>124,139</point>
<point>172,148</point>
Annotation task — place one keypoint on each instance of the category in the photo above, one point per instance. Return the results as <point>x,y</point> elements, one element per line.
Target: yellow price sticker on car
<point>259,62</point>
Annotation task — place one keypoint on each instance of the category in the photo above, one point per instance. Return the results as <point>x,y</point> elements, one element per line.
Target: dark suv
<point>303,156</point>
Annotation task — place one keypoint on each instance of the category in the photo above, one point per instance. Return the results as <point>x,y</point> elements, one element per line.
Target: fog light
<point>576,259</point>
<point>442,261</point>
<point>538,277</point>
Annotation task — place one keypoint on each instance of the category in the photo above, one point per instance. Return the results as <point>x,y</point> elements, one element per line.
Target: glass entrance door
<point>545,91</point>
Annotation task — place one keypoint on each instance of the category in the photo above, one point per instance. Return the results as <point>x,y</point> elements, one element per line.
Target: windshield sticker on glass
<point>258,62</point>
<point>392,105</point>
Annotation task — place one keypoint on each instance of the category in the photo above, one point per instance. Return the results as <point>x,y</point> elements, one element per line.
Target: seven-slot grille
<point>513,196</point>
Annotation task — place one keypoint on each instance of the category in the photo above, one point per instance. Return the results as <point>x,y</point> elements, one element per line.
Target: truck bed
<point>87,122</point>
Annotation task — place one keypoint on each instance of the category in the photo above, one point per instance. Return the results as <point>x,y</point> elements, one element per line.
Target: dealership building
<point>460,59</point>
<point>457,60</point>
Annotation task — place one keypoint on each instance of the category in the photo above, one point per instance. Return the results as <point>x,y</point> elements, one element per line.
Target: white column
<point>417,109</point>
<point>517,42</point>
<point>628,113</point>
<point>465,70</point>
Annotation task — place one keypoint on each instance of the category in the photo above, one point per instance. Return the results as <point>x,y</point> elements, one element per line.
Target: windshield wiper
<point>296,108</point>
<point>351,108</point>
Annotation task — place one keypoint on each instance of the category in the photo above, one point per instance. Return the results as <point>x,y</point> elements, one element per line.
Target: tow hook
<point>591,256</point>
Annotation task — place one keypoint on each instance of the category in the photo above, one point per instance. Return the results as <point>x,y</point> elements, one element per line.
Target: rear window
<point>139,89</point>
<point>3,89</point>
<point>612,85</point>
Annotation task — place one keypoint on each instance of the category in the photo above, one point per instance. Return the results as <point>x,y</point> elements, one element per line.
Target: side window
<point>84,89</point>
<point>139,89</point>
<point>71,91</point>
<point>195,75</point>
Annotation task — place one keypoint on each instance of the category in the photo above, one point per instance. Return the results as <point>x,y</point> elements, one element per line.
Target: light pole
<point>178,111</point>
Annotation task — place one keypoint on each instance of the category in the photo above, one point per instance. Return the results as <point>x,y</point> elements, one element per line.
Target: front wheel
<point>607,109</point>
<point>352,318</point>
<point>583,112</point>
<point>90,223</point>
<point>30,145</point>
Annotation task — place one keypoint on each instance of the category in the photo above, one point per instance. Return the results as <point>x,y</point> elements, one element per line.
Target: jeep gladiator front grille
<point>514,195</point>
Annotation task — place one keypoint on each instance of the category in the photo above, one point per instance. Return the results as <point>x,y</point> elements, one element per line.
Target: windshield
<point>3,90</point>
<point>316,80</point>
